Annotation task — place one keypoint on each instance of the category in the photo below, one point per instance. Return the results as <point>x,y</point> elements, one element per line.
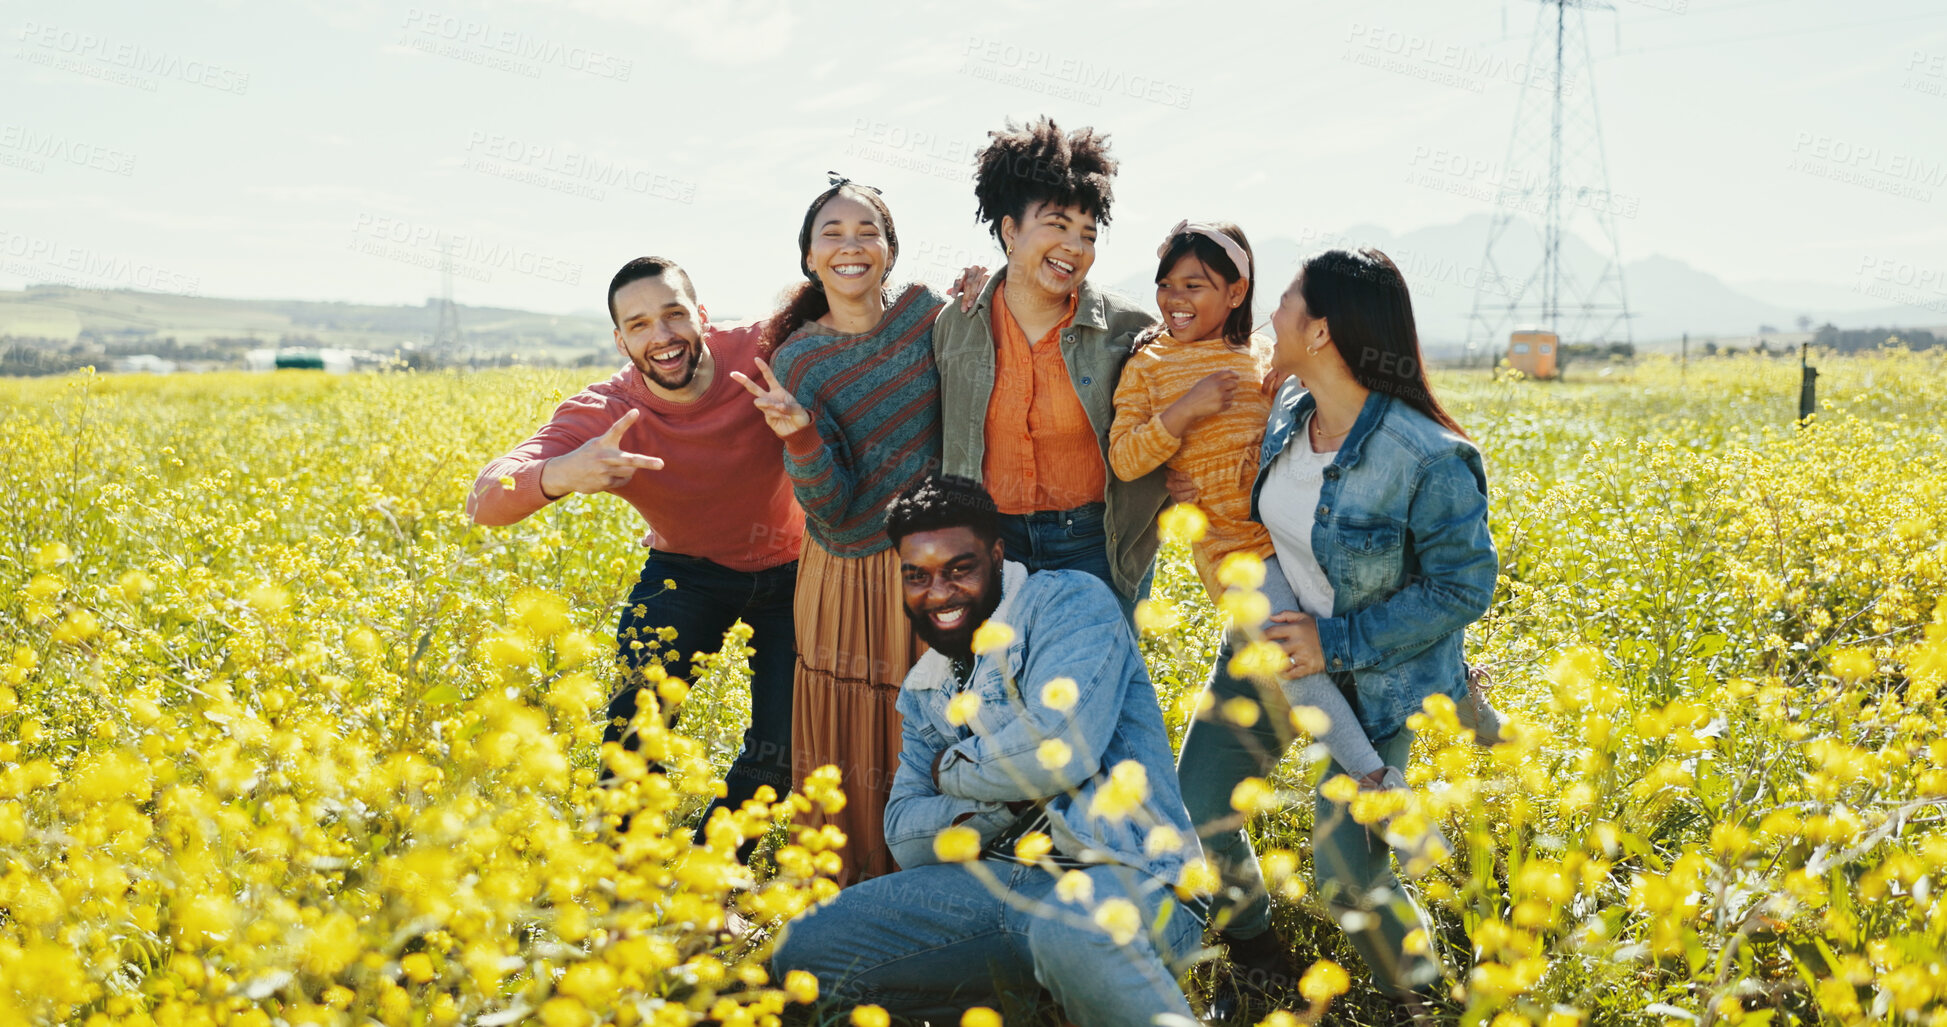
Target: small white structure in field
<point>145,363</point>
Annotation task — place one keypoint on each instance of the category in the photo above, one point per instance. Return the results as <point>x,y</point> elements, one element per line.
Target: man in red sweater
<point>674,435</point>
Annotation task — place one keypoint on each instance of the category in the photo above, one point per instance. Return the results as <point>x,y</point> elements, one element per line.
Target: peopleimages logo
<point>1927,73</point>
<point>1446,64</point>
<point>566,169</point>
<point>51,260</point>
<point>1904,282</point>
<point>30,149</point>
<point>1065,76</point>
<point>469,256</point>
<point>1839,159</point>
<point>451,35</point>
<point>921,151</point>
<point>121,61</point>
<point>1511,188</point>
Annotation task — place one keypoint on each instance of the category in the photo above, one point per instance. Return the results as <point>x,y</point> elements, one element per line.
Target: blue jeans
<point>707,600</point>
<point>1351,867</point>
<point>1065,540</point>
<point>930,942</point>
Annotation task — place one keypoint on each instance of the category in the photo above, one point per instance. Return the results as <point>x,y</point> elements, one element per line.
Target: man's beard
<point>693,358</point>
<point>957,643</point>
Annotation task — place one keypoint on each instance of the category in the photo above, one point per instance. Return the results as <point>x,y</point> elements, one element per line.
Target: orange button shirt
<point>1042,452</point>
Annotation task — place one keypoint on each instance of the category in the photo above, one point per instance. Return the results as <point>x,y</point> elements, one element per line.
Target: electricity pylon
<point>1556,124</point>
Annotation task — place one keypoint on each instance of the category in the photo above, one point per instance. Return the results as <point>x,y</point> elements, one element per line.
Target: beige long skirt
<point>855,646</point>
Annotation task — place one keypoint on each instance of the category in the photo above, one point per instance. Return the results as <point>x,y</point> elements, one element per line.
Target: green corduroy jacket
<point>1094,348</point>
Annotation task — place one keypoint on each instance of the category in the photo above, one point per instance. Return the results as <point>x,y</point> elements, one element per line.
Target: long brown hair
<point>1362,297</point>
<point>806,301</point>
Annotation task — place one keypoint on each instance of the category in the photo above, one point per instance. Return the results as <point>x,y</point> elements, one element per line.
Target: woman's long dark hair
<point>1362,297</point>
<point>807,301</point>
<point>1237,324</point>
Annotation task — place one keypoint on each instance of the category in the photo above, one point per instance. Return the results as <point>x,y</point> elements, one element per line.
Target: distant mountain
<point>1667,297</point>
<point>126,321</point>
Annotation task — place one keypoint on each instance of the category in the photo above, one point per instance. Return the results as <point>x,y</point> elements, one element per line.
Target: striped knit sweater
<point>874,400</point>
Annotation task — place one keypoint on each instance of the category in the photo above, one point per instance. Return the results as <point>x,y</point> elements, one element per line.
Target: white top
<point>1288,504</point>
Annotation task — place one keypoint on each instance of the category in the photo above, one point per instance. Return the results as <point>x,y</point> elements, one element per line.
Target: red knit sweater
<point>721,493</point>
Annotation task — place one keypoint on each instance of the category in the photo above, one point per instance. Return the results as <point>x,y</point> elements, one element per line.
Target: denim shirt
<point>1401,533</point>
<point>1066,625</point>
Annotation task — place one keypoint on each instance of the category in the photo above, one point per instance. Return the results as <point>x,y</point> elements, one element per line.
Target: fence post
<point>1808,389</point>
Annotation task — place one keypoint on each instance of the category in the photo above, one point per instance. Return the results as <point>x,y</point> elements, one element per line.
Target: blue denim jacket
<point>1401,533</point>
<point>1066,625</point>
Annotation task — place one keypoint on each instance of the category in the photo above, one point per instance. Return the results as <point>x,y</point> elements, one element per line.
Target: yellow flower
<point>870,1016</point>
<point>801,986</point>
<point>1323,982</point>
<point>1241,711</point>
<point>1339,789</point>
<point>1242,570</point>
<point>1199,877</point>
<point>562,1011</point>
<point>507,483</point>
<point>991,636</point>
<point>980,1016</point>
<point>1060,694</point>
<point>1575,669</point>
<point>1073,886</point>
<point>52,554</point>
<point>1033,846</point>
<point>1163,839</point>
<point>1157,615</point>
<point>1245,608</point>
<point>1120,918</point>
<point>957,844</point>
<point>1311,720</point>
<point>1259,661</point>
<point>963,708</point>
<point>1182,523</point>
<point>1125,792</point>
<point>1852,665</point>
<point>1054,754</point>
<point>1253,795</point>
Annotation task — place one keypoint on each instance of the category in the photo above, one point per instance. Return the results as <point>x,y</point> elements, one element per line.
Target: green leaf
<point>441,695</point>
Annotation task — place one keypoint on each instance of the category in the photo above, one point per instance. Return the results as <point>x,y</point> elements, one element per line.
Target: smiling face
<point>1297,331</point>
<point>849,253</point>
<point>952,584</point>
<point>1195,300</point>
<point>1052,248</point>
<point>659,327</point>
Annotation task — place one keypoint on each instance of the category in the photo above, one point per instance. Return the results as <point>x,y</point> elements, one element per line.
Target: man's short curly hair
<point>1023,166</point>
<point>943,501</point>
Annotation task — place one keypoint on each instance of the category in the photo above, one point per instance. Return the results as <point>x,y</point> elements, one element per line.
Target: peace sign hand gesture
<point>598,465</point>
<point>781,410</point>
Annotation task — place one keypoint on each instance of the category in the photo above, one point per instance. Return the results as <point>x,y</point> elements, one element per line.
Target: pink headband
<point>1213,233</point>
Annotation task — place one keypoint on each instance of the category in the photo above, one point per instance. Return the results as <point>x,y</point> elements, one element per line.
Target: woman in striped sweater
<point>856,397</point>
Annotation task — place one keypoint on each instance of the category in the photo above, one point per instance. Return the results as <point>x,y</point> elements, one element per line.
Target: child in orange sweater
<point>1189,395</point>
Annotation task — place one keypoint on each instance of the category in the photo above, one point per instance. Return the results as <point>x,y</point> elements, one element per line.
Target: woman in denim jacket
<point>1377,503</point>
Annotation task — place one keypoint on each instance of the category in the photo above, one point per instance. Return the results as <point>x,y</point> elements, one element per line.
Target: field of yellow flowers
<point>284,739</point>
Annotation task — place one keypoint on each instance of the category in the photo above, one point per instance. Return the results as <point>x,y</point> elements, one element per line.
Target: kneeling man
<point>1035,807</point>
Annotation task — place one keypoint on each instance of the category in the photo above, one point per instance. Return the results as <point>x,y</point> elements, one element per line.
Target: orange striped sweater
<point>1219,453</point>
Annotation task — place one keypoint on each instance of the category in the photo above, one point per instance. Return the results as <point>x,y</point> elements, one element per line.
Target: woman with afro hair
<point>1028,376</point>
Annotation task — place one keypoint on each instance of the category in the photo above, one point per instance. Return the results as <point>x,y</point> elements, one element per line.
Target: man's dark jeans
<point>1069,540</point>
<point>707,600</point>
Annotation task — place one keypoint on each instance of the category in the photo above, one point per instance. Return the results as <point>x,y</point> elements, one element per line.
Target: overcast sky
<point>330,149</point>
